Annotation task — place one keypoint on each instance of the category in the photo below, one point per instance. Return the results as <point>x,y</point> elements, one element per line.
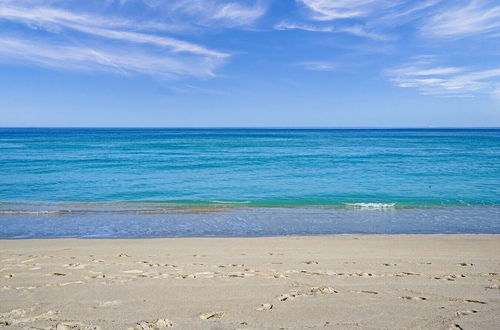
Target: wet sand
<point>338,282</point>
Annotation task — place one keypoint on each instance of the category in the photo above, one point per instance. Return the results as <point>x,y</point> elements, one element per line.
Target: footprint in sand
<point>75,266</point>
<point>57,274</point>
<point>475,301</point>
<point>313,291</point>
<point>465,264</point>
<point>322,290</point>
<point>313,273</point>
<point>289,296</point>
<point>123,255</point>
<point>403,274</point>
<point>212,315</point>
<point>366,291</point>
<point>311,262</point>
<point>265,307</point>
<point>273,276</point>
<point>13,317</point>
<point>170,266</point>
<point>467,312</point>
<point>455,327</point>
<point>20,316</point>
<point>203,275</point>
<point>236,275</point>
<point>94,276</point>
<point>8,276</point>
<point>413,298</point>
<point>361,274</point>
<point>158,324</point>
<point>76,326</point>
<point>200,275</point>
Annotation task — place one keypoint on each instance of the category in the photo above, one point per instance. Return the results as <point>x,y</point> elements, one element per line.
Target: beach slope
<point>339,282</point>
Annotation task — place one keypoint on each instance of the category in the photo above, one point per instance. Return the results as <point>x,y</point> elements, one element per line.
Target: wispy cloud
<point>107,59</point>
<point>318,65</point>
<point>54,20</point>
<point>361,31</point>
<point>300,26</point>
<point>404,13</point>
<point>327,10</point>
<point>219,13</point>
<point>159,55</point>
<point>41,13</point>
<point>465,18</point>
<point>447,81</point>
<point>357,30</point>
<point>363,18</point>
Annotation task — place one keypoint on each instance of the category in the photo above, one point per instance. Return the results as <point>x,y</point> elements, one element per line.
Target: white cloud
<point>327,10</point>
<point>357,30</point>
<point>403,14</point>
<point>54,20</point>
<point>361,31</point>
<point>219,13</point>
<point>49,17</point>
<point>141,52</point>
<point>238,14</point>
<point>477,17</point>
<point>363,18</point>
<point>448,81</point>
<point>108,59</point>
<point>299,26</point>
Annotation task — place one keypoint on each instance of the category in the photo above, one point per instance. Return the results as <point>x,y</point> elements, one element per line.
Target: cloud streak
<point>356,30</point>
<point>445,81</point>
<point>477,17</point>
<point>327,10</point>
<point>218,13</point>
<point>160,55</point>
<point>107,59</point>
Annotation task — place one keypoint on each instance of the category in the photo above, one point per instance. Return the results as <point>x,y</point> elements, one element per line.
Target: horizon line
<point>252,127</point>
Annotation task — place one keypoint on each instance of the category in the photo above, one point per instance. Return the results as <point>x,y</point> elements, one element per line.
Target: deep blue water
<point>239,182</point>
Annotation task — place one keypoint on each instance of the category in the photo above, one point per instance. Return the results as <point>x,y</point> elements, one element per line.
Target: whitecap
<point>231,202</point>
<point>371,206</point>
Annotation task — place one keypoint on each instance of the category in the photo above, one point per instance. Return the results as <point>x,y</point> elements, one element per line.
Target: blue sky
<point>250,63</point>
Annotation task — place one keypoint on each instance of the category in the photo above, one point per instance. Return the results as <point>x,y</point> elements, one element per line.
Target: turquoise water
<point>163,171</point>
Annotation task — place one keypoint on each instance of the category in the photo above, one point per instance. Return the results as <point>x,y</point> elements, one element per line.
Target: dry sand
<point>338,282</point>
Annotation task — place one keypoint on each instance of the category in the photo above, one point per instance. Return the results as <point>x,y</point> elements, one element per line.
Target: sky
<point>250,63</point>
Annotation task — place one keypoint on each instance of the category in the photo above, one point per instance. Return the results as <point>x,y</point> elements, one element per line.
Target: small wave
<point>55,212</point>
<point>113,211</point>
<point>231,202</point>
<point>371,206</point>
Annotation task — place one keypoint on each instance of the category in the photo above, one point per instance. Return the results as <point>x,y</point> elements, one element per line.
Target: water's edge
<point>254,222</point>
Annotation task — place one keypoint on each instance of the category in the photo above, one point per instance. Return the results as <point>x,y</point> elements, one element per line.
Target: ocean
<point>103,182</point>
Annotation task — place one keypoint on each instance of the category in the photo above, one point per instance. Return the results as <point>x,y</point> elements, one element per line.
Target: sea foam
<point>371,206</point>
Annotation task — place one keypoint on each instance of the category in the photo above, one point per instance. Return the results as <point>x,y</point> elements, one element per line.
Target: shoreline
<point>440,281</point>
<point>493,235</point>
<point>268,222</point>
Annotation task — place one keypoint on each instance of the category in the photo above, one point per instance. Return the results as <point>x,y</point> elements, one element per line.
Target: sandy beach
<point>339,282</point>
